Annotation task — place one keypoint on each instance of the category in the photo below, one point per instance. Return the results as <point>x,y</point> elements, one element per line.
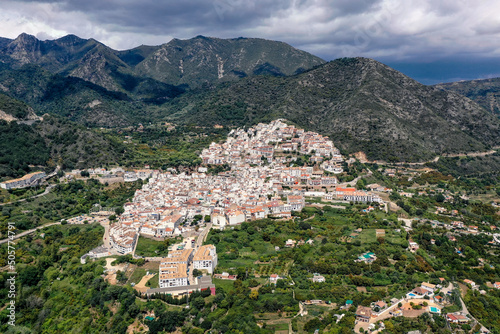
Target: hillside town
<point>265,172</point>
<point>262,183</point>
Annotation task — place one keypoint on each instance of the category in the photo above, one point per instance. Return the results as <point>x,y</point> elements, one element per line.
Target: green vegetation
<point>251,304</point>
<point>152,248</point>
<point>361,104</point>
<point>249,253</point>
<point>55,293</point>
<point>13,107</point>
<point>20,146</point>
<point>485,307</point>
<point>356,103</point>
<point>55,141</point>
<point>65,201</point>
<point>486,166</point>
<point>484,92</point>
<point>74,146</point>
<point>161,147</point>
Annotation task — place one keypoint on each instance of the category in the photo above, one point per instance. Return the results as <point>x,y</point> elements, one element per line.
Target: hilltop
<point>190,62</point>
<point>363,105</point>
<point>28,140</point>
<point>485,92</point>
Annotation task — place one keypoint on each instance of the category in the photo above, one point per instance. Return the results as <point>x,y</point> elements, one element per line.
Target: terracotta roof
<point>364,311</point>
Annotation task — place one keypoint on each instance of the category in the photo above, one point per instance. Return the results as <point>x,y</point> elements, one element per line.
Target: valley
<point>241,185</point>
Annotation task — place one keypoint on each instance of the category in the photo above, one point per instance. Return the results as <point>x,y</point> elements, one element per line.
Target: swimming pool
<point>411,294</point>
<point>434,309</point>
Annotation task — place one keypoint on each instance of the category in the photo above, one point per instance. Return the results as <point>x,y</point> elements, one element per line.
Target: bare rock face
<point>15,110</point>
<point>94,67</point>
<point>206,60</point>
<point>7,117</point>
<point>25,49</point>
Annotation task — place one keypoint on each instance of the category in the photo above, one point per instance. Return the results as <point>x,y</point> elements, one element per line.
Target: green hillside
<point>361,104</point>
<point>485,92</point>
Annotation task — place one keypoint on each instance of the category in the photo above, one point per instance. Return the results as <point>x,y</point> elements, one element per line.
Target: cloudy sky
<point>430,40</point>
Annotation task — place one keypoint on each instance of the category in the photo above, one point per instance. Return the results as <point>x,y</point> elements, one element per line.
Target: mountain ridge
<point>360,103</point>
<point>93,61</point>
<point>485,92</point>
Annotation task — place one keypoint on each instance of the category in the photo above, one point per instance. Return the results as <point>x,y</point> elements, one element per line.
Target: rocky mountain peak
<point>70,40</point>
<point>25,49</point>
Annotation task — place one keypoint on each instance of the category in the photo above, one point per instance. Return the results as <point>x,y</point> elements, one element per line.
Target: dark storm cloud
<point>391,30</point>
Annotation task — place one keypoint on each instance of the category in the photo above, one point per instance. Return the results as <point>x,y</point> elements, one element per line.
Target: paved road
<point>47,190</point>
<point>199,241</point>
<point>203,236</point>
<point>22,234</point>
<point>465,311</point>
<point>436,159</point>
<point>105,237</point>
<point>448,288</point>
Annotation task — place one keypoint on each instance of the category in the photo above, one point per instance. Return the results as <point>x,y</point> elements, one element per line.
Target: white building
<point>318,278</point>
<point>219,220</point>
<point>130,177</point>
<point>273,279</point>
<point>25,181</point>
<point>143,173</point>
<point>235,217</point>
<point>173,275</point>
<point>205,258</point>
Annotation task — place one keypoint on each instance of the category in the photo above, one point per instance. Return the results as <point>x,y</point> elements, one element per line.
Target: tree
<point>312,325</point>
<point>361,184</point>
<point>440,198</point>
<point>197,273</point>
<point>254,295</point>
<point>120,276</point>
<point>304,226</point>
<point>30,275</point>
<point>112,218</point>
<point>198,302</point>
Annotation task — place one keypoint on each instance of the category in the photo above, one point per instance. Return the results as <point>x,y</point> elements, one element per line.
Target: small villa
<point>457,318</point>
<point>363,313</point>
<point>419,292</point>
<point>367,257</point>
<point>438,299</point>
<point>472,283</point>
<point>412,246</point>
<point>317,278</point>
<point>428,286</point>
<point>274,278</point>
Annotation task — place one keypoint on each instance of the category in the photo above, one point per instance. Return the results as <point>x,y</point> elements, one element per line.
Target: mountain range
<point>179,62</point>
<point>361,104</point>
<point>485,92</point>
